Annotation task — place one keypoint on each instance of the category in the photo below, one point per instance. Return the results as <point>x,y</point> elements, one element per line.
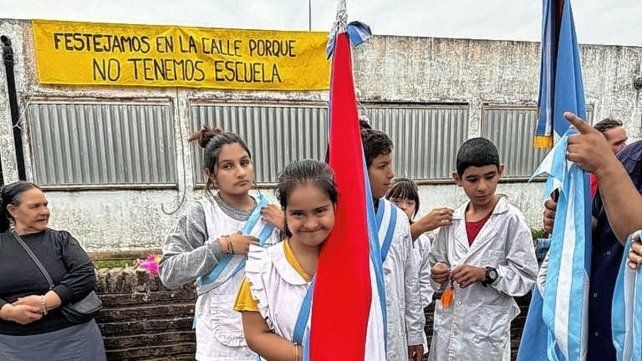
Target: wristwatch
<point>491,276</point>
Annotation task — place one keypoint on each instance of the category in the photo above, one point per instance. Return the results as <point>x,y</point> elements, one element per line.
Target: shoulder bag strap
<point>34,258</point>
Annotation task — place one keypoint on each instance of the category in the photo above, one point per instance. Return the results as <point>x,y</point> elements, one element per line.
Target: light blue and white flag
<point>561,86</point>
<point>626,316</point>
<point>563,306</point>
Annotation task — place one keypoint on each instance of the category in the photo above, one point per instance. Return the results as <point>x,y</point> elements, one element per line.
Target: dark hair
<point>476,152</point>
<point>301,172</point>
<point>364,122</point>
<point>606,124</point>
<point>11,194</point>
<point>375,143</point>
<point>404,188</point>
<point>212,139</point>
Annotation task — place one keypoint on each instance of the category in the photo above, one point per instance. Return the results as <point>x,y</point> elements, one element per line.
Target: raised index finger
<point>578,123</point>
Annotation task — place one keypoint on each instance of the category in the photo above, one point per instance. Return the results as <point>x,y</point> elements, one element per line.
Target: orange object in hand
<point>447,297</point>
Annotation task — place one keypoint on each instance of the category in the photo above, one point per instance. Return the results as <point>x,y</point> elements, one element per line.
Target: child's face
<point>406,205</point>
<point>381,174</point>
<point>309,215</point>
<point>234,170</point>
<point>480,183</point>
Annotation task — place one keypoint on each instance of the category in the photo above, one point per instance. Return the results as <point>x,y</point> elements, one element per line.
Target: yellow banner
<point>73,53</point>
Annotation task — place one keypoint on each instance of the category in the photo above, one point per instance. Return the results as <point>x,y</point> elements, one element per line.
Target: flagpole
<point>349,262</point>
<point>342,16</point>
<point>309,15</point>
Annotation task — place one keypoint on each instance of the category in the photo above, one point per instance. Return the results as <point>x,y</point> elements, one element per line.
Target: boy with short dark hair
<point>483,260</point>
<point>405,320</point>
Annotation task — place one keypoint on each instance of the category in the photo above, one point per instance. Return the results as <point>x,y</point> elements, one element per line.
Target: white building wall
<point>387,69</point>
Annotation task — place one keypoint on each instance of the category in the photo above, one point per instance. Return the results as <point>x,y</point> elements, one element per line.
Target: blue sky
<point>615,22</point>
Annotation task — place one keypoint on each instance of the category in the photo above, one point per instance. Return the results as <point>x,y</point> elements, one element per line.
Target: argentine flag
<point>556,325</point>
<point>561,88</point>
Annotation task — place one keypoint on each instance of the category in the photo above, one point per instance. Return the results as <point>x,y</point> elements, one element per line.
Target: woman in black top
<point>31,324</point>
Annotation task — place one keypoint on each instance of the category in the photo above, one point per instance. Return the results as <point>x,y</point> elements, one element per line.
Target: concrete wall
<point>142,320</point>
<point>387,69</point>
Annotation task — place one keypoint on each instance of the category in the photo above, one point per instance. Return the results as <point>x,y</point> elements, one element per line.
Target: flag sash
<point>230,265</point>
<point>386,223</point>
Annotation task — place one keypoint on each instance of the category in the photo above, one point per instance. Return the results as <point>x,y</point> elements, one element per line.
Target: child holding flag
<point>211,240</point>
<point>484,260</point>
<point>274,299</point>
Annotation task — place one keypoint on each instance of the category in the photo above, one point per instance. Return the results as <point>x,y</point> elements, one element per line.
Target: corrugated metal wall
<point>102,144</point>
<point>512,129</point>
<point>107,144</point>
<point>276,135</point>
<point>426,138</point>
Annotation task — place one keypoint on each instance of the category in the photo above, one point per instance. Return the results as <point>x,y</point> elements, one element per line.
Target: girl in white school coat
<point>278,278</point>
<point>210,242</point>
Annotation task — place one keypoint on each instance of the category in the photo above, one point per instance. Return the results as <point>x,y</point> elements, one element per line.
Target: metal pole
<point>309,15</point>
<point>7,55</point>
<point>342,15</point>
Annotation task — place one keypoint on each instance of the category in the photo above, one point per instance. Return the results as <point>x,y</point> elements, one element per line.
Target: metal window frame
<point>367,106</point>
<point>198,102</point>
<point>426,144</point>
<point>106,101</point>
<point>524,106</point>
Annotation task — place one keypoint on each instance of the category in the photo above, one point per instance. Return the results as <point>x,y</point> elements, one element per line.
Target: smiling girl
<point>278,278</point>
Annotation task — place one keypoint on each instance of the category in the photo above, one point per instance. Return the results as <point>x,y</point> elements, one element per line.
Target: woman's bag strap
<point>34,258</point>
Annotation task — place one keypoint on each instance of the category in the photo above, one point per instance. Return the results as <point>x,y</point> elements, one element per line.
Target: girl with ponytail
<point>210,242</point>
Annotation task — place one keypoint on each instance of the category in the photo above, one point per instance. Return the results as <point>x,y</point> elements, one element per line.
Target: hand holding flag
<point>635,255</point>
<point>589,149</point>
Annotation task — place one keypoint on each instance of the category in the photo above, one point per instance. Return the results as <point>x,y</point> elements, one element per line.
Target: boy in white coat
<point>485,258</point>
<point>405,319</point>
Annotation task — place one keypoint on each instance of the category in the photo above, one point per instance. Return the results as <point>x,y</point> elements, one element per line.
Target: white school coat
<point>477,325</point>
<point>421,250</point>
<point>403,304</point>
<point>278,287</point>
<point>219,330</point>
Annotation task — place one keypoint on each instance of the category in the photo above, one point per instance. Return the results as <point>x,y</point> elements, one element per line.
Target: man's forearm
<point>622,201</point>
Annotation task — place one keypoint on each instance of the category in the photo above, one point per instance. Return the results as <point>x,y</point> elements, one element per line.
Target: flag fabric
<point>533,344</point>
<point>348,303</point>
<point>561,87</point>
<point>358,33</point>
<point>558,314</point>
<point>626,319</point>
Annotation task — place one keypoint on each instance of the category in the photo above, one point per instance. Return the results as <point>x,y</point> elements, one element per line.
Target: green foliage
<point>537,233</point>
<point>115,263</point>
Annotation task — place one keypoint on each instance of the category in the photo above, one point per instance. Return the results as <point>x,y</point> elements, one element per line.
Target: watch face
<point>493,274</point>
